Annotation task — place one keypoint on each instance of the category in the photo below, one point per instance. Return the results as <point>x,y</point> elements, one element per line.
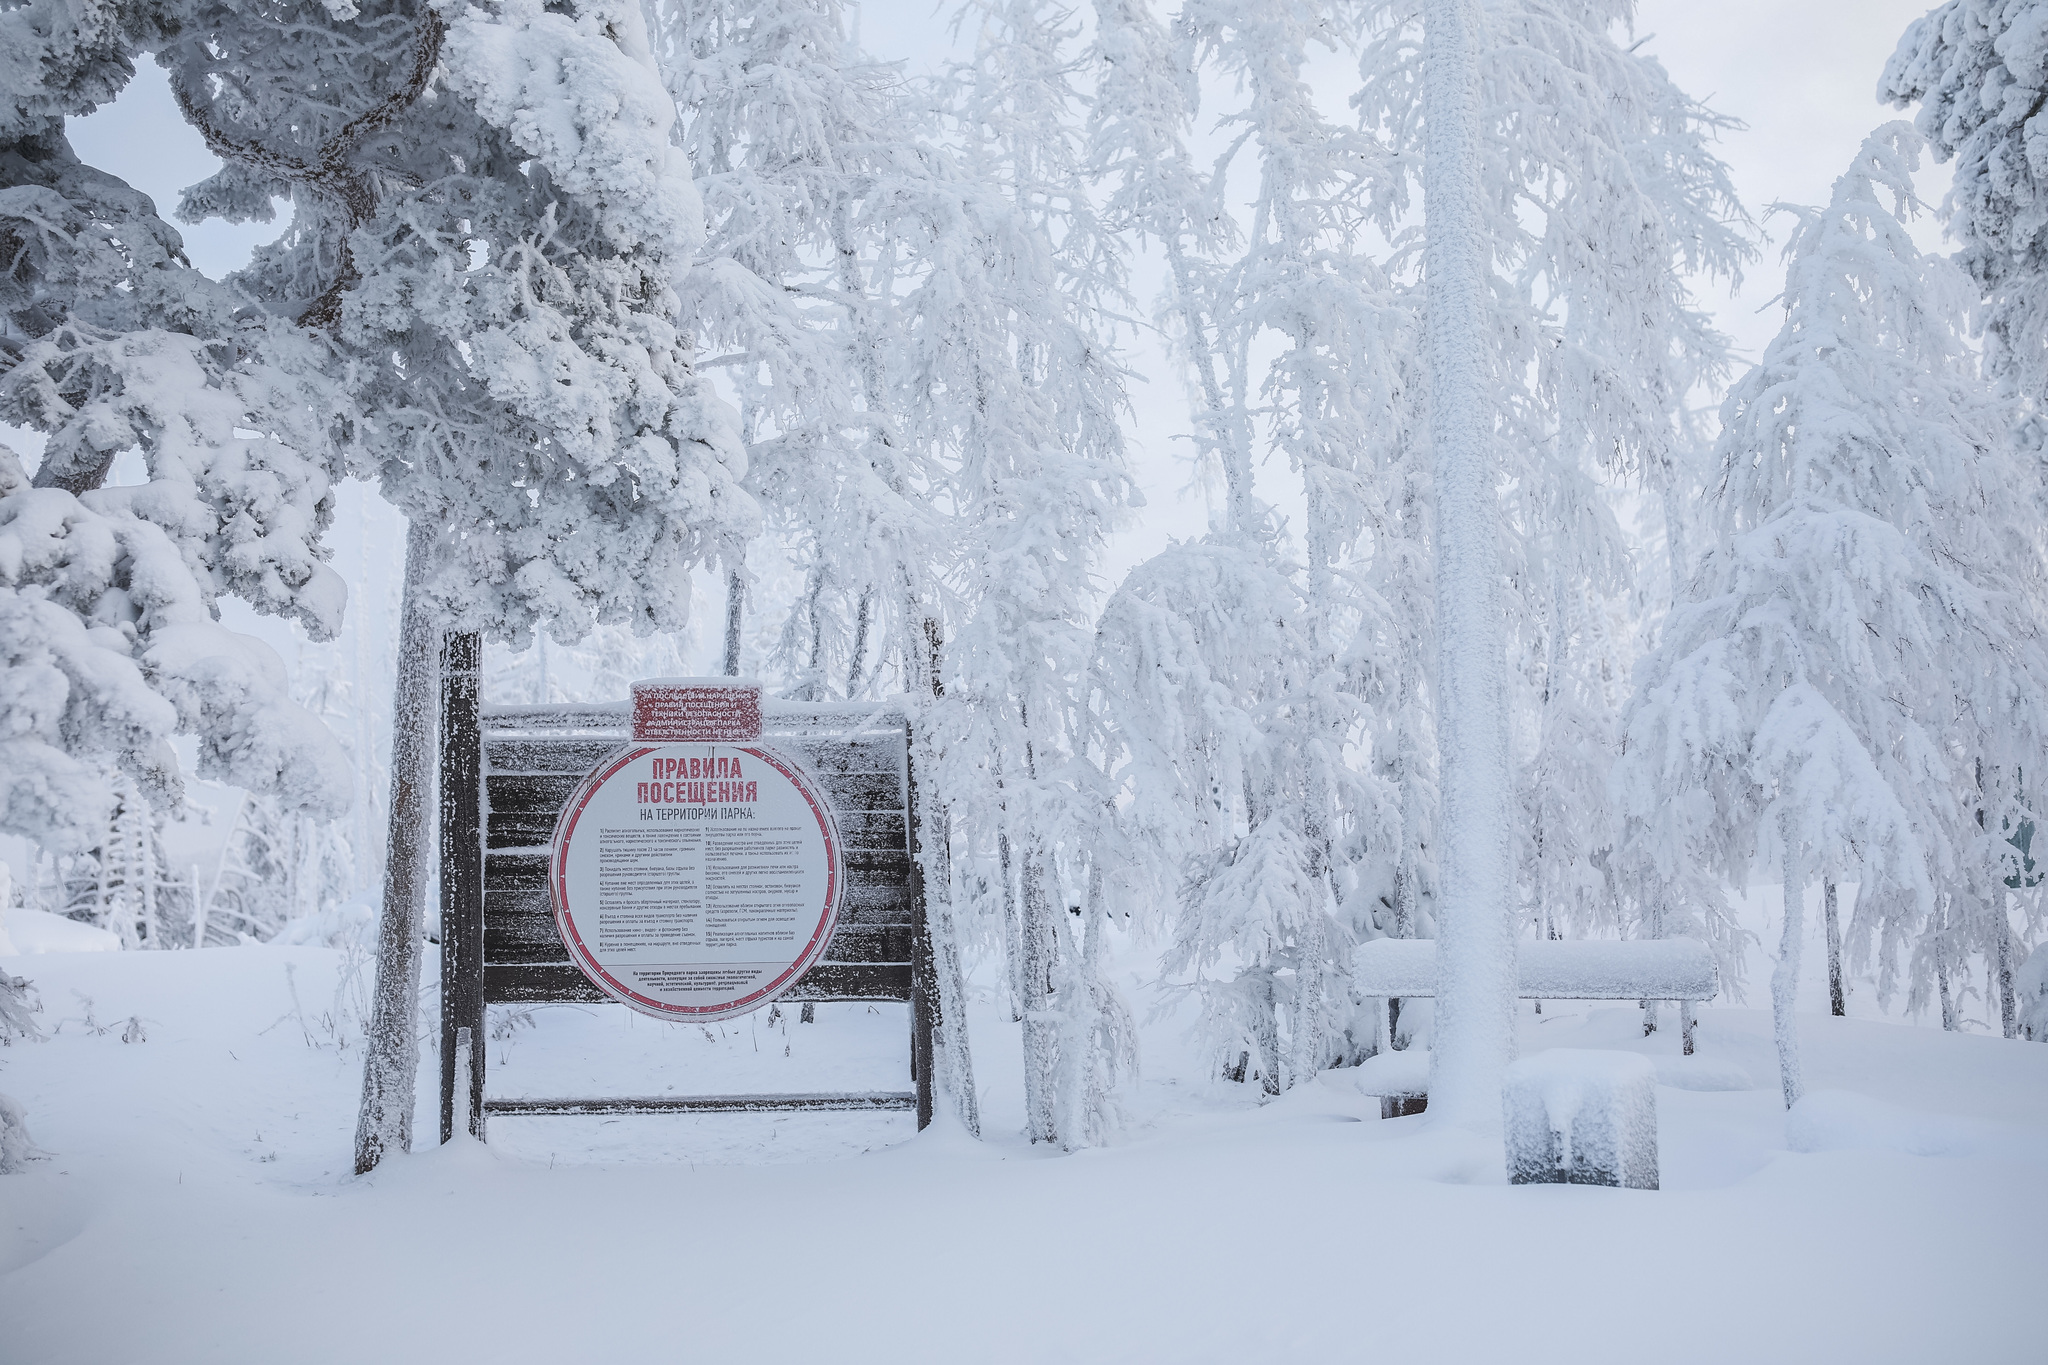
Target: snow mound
<point>38,931</point>
<point>1701,1073</point>
<point>1555,969</point>
<point>1841,1120</point>
<point>352,924</point>
<point>1576,1116</point>
<point>1394,1073</point>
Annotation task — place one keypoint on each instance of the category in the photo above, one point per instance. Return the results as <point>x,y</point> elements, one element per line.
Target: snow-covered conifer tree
<point>807,156</point>
<point>1852,675</point>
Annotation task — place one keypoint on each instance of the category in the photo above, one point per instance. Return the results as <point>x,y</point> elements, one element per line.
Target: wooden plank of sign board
<point>550,755</point>
<point>519,927</point>
<point>512,760</point>
<point>874,894</point>
<point>830,1101</point>
<point>523,804</point>
<point>553,982</point>
<point>521,792</point>
<point>847,753</point>
<point>509,792</point>
<point>861,832</point>
<point>777,717</point>
<point>828,756</point>
<point>518,828</point>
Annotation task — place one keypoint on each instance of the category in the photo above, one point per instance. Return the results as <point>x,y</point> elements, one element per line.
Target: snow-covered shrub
<point>17,1007</point>
<point>2030,983</point>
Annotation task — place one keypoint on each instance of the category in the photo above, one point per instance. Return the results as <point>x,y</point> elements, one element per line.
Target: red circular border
<point>565,829</point>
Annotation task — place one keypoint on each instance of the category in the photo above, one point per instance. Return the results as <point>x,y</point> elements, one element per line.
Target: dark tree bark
<point>1836,1000</point>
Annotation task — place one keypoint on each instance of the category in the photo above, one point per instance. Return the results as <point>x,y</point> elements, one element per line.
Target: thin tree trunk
<point>1013,943</point>
<point>1949,1021</point>
<point>1785,976</point>
<point>392,1055</point>
<point>2008,1004</point>
<point>1475,1010</point>
<point>859,663</point>
<point>735,605</point>
<point>1837,1001</point>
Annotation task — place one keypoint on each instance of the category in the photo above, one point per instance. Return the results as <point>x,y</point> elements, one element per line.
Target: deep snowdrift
<point>197,1205</point>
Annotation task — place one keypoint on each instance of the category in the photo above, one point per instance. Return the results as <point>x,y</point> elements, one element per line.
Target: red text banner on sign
<point>696,710</point>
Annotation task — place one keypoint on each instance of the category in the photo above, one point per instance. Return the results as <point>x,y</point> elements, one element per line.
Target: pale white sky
<point>1800,75</point>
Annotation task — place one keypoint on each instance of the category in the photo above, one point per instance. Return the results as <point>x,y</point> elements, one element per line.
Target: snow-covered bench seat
<point>1556,969</point>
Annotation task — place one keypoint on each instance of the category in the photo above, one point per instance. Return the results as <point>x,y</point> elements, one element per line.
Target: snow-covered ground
<point>197,1204</point>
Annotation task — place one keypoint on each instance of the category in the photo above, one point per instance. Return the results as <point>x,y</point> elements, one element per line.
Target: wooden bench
<point>1680,969</point>
<point>506,772</point>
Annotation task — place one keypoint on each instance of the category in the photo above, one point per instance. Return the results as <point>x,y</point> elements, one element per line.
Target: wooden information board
<point>506,775</point>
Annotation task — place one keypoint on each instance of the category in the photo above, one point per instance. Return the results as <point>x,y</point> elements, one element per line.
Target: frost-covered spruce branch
<point>1978,69</point>
<point>110,342</point>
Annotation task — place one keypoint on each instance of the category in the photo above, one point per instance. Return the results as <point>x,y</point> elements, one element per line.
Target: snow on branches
<point>1978,69</point>
<point>110,342</point>
<point>1846,685</point>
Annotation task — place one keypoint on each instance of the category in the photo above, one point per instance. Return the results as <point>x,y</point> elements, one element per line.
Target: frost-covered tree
<point>1021,402</point>
<point>1599,202</point>
<point>1852,675</point>
<point>819,185</point>
<point>1978,69</point>
<point>1228,672</point>
<point>109,343</point>
<point>122,882</point>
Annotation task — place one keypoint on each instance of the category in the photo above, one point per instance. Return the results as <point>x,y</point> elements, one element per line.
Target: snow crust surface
<point>204,1172</point>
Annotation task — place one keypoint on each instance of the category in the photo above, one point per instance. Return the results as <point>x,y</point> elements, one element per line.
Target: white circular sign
<point>696,881</point>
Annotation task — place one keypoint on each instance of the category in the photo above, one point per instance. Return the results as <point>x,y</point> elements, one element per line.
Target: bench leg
<point>1685,1023</point>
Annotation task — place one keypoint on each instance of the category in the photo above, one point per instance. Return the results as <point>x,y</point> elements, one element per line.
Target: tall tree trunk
<point>1949,1019</point>
<point>1475,1009</point>
<point>1785,976</point>
<point>1041,1028</point>
<point>392,1054</point>
<point>952,1057</point>
<point>1837,1001</point>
